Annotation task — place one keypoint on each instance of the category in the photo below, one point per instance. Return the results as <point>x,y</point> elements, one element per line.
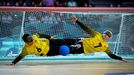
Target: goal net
<point>14,22</point>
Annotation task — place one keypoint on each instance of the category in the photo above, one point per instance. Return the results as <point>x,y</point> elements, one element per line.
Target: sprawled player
<point>97,41</point>
<point>45,45</point>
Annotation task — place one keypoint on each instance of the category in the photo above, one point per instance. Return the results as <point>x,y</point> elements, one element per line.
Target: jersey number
<point>38,49</point>
<point>98,45</point>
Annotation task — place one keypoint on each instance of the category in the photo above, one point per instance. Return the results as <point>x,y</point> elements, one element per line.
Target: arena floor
<point>88,68</point>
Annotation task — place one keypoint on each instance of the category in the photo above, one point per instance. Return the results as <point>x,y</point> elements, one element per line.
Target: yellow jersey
<point>39,46</point>
<point>94,43</point>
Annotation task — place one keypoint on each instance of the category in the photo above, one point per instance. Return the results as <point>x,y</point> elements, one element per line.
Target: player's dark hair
<point>24,37</point>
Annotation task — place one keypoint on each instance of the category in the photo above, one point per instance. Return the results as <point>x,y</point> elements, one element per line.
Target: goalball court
<point>15,21</point>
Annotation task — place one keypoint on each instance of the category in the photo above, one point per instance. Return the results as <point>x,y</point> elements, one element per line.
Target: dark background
<point>63,3</point>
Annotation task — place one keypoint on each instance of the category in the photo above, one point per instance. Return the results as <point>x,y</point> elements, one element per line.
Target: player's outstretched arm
<point>45,36</point>
<point>110,54</point>
<point>17,59</point>
<point>84,27</point>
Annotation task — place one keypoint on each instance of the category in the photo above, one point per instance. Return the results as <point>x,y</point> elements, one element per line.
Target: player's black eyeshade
<point>27,38</point>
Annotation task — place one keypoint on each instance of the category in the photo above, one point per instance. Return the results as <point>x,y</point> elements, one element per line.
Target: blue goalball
<point>64,50</point>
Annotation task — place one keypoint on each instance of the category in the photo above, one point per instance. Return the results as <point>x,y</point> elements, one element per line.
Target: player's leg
<point>55,45</point>
<point>76,48</point>
<point>74,45</point>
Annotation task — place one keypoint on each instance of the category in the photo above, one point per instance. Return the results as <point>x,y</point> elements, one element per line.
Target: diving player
<point>97,41</point>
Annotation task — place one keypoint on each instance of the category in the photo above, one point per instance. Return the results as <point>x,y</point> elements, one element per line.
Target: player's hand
<point>11,64</point>
<point>73,18</point>
<point>53,37</point>
<point>124,60</point>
